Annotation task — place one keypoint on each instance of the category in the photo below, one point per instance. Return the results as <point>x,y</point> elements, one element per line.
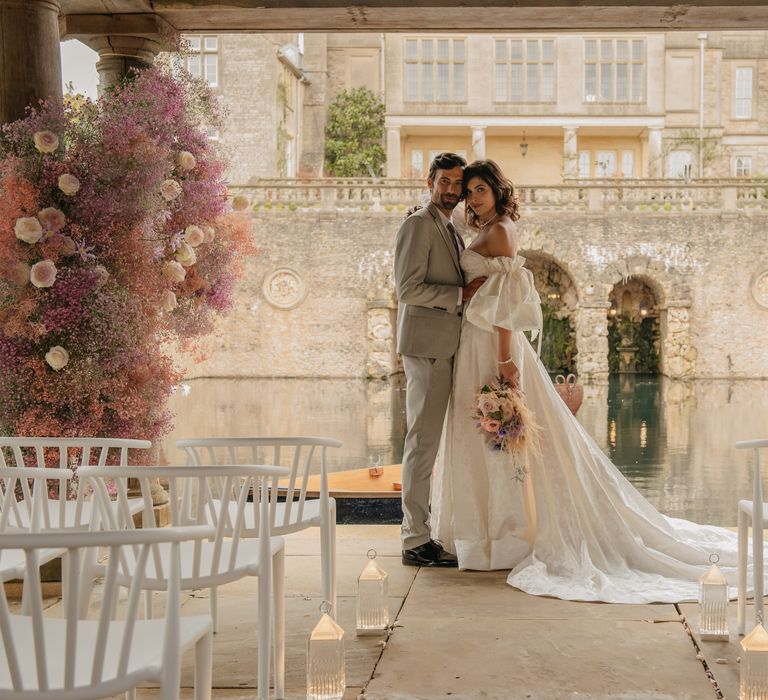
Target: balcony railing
<point>662,195</point>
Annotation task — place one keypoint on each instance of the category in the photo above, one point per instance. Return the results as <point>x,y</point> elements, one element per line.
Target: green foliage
<point>558,346</point>
<point>640,334</point>
<point>354,135</point>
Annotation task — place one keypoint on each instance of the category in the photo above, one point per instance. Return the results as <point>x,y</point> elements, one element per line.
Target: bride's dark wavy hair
<point>502,188</point>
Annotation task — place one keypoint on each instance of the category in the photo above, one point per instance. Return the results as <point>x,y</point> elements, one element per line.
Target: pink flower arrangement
<point>116,238</point>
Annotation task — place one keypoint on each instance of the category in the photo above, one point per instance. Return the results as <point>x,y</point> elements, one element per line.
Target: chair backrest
<point>85,671</point>
<point>26,502</point>
<point>303,456</point>
<point>757,480</point>
<point>197,496</point>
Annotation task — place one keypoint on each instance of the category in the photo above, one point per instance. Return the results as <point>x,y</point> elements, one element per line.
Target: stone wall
<point>319,299</point>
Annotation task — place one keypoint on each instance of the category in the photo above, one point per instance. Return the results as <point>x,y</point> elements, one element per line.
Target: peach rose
<point>487,404</point>
<point>43,274</point>
<point>53,219</point>
<point>210,234</point>
<point>168,301</point>
<point>28,229</point>
<point>170,189</point>
<point>194,235</point>
<point>186,161</point>
<point>174,271</point>
<point>19,274</point>
<point>57,357</point>
<point>45,141</point>
<point>185,254</point>
<point>68,245</point>
<point>69,184</point>
<point>490,425</point>
<point>240,202</point>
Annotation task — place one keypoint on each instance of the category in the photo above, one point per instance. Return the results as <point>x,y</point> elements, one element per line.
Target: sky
<point>78,65</point>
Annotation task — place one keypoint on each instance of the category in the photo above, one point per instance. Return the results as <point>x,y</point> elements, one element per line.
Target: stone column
<point>570,152</point>
<point>678,356</point>
<point>654,152</point>
<point>30,58</point>
<point>478,143</point>
<point>314,114</point>
<point>394,170</point>
<point>119,54</point>
<point>592,341</point>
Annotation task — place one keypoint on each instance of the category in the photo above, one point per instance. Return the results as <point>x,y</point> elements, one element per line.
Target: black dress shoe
<point>429,554</point>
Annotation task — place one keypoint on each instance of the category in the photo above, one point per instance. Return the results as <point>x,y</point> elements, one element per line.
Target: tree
<point>354,135</point>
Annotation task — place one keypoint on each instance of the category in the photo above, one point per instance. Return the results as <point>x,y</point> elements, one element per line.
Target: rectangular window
<point>417,163</point>
<point>627,163</point>
<point>742,166</point>
<point>614,70</point>
<point>605,166</point>
<point>525,70</point>
<point>584,165</point>
<point>679,164</point>
<point>203,58</point>
<point>743,93</point>
<point>435,70</point>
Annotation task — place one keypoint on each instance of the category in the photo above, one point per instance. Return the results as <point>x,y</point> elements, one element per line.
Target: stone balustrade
<point>334,194</point>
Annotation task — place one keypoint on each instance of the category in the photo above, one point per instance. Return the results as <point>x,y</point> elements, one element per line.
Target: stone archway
<point>634,328</point>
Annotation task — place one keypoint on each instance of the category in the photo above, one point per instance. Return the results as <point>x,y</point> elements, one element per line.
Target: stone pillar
<point>478,143</point>
<point>570,152</point>
<point>314,114</point>
<point>119,54</point>
<point>30,58</point>
<point>655,164</point>
<point>394,170</point>
<point>592,341</point>
<point>678,356</point>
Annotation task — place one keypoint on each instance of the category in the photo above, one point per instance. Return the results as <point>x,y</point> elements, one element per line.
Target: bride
<point>573,527</point>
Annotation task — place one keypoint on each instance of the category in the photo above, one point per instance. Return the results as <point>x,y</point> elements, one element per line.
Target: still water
<point>672,440</point>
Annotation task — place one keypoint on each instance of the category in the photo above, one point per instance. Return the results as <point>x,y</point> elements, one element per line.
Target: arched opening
<point>634,328</point>
<point>558,304</point>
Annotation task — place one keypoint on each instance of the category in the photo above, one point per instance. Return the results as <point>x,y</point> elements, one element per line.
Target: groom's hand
<point>469,291</point>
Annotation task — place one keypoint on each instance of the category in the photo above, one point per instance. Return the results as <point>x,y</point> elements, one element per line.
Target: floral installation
<point>507,424</point>
<point>117,240</point>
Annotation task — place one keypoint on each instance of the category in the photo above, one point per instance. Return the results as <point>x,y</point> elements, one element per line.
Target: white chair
<point>201,495</point>
<point>302,455</point>
<point>757,512</point>
<point>71,658</point>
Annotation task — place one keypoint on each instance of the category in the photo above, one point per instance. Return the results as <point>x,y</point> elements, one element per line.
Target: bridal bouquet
<point>506,423</point>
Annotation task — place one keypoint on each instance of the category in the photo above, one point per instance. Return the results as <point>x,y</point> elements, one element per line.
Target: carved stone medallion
<point>284,288</point>
<point>760,289</point>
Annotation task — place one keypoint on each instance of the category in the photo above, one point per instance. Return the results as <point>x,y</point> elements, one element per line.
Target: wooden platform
<point>358,483</point>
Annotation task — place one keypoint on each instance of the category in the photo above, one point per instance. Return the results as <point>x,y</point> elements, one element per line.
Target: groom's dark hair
<point>445,161</point>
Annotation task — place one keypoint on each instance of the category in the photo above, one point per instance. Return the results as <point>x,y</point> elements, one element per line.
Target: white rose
<point>53,219</point>
<point>69,184</point>
<point>103,275</point>
<point>28,229</point>
<point>43,274</point>
<point>174,271</point>
<point>185,160</point>
<point>185,254</point>
<point>45,141</point>
<point>19,274</point>
<point>194,235</point>
<point>57,357</point>
<point>168,301</point>
<point>210,234</point>
<point>240,202</point>
<point>170,189</point>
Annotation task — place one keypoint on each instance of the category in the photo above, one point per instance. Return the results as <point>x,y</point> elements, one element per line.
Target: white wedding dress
<point>575,528</point>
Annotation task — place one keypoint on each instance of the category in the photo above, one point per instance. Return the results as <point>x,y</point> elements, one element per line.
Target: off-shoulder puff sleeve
<point>508,299</point>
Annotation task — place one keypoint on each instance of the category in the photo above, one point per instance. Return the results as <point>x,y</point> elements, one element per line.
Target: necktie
<point>457,242</point>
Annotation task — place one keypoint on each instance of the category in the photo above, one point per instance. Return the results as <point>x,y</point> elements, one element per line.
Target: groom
<point>430,293</point>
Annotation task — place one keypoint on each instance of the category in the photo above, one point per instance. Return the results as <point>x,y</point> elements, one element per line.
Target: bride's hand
<point>510,372</point>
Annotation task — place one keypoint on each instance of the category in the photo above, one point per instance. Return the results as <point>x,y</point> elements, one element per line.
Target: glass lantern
<point>713,604</point>
<point>326,676</point>
<point>372,598</point>
<point>753,671</point>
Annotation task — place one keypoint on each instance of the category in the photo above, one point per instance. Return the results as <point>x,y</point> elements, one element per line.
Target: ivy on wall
<point>558,345</point>
<point>641,335</point>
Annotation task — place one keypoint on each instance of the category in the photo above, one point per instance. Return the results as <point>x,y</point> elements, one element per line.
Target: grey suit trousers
<point>428,388</point>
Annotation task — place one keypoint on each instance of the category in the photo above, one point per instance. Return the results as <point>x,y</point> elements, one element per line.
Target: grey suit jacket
<point>427,278</point>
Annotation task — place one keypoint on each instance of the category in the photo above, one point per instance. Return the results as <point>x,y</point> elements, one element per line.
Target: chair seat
<point>746,507</point>
<point>146,648</point>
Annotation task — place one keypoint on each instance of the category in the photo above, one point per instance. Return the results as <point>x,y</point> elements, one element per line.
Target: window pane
<point>516,92</point>
<point>426,81</point>
<point>211,43</point>
<point>638,82</point>
<point>606,49</point>
<point>622,50</point>
<point>426,50</point>
<point>547,82</point>
<point>193,65</point>
<point>194,43</point>
<point>606,81</point>
<point>743,82</point>
<point>411,82</point>
<point>411,50</point>
<point>532,78</point>
<point>590,50</point>
<point>442,82</point>
<point>501,51</point>
<point>627,163</point>
<point>590,82</point>
<point>637,50</point>
<point>744,109</point>
<point>501,82</point>
<point>458,49</point>
<point>516,47</point>
<point>532,49</point>
<point>458,82</point>
<point>622,82</point>
<point>548,49</point>
<point>417,162</point>
<point>584,164</point>
<point>442,49</point>
<point>211,62</point>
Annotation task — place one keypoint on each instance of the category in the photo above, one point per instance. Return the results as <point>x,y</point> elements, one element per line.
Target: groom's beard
<point>448,201</point>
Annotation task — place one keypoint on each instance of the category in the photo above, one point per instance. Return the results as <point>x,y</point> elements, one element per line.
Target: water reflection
<point>672,440</point>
